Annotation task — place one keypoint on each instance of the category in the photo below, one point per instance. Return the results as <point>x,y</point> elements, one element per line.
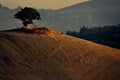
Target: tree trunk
<point>26,22</point>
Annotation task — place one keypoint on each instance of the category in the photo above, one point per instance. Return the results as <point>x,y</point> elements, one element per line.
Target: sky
<point>39,4</point>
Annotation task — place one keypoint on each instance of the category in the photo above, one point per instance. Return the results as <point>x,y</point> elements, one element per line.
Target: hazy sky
<point>46,4</point>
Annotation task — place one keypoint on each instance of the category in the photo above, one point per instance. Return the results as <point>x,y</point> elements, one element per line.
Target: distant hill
<point>6,18</point>
<point>92,13</point>
<point>28,56</point>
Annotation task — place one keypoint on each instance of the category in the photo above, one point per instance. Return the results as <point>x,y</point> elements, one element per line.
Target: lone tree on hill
<point>27,15</point>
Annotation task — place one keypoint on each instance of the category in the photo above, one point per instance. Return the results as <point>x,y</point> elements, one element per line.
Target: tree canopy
<point>27,15</point>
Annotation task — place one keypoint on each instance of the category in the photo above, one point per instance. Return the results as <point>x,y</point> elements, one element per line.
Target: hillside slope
<point>27,56</point>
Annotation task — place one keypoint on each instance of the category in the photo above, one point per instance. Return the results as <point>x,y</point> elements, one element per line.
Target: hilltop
<point>26,56</point>
<point>35,29</point>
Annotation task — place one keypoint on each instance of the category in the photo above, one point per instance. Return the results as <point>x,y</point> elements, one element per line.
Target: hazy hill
<point>92,13</point>
<point>6,18</point>
<point>28,56</point>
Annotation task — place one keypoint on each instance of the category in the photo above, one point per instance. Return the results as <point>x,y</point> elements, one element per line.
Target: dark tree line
<point>107,35</point>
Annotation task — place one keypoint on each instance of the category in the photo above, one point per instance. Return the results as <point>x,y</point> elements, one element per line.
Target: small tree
<point>27,15</point>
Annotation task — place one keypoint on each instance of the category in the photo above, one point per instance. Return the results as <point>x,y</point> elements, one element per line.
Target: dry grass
<point>25,56</point>
<point>33,29</point>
